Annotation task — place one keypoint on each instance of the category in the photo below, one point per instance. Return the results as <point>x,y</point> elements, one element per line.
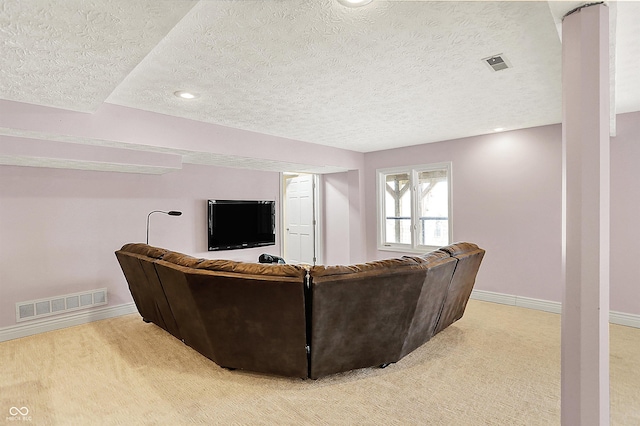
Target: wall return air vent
<point>35,309</point>
<point>497,62</point>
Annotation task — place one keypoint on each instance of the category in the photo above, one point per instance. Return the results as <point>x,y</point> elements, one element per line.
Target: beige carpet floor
<point>498,365</point>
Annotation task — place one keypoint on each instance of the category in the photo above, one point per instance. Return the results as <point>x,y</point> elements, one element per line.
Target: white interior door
<point>299,244</point>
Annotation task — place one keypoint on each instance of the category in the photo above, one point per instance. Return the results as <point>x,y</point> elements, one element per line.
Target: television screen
<point>236,224</point>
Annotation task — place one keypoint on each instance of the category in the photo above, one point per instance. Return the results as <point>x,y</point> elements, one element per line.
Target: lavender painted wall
<point>625,215</point>
<point>336,224</point>
<point>357,216</point>
<point>506,198</point>
<point>59,228</point>
<point>91,214</point>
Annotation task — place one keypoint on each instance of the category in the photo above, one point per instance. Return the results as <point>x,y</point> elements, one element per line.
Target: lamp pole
<point>170,213</point>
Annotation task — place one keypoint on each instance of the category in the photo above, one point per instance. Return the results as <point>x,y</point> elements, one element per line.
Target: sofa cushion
<point>378,266</point>
<point>428,258</point>
<point>181,259</point>
<point>457,249</point>
<point>145,250</point>
<point>276,270</point>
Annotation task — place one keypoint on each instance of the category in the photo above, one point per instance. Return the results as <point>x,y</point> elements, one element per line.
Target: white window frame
<point>413,172</point>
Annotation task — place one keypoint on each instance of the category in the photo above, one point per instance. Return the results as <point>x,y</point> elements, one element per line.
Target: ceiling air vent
<point>497,62</point>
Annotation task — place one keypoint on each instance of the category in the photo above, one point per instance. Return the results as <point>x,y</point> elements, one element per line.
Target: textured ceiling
<point>390,74</point>
<point>73,53</point>
<point>394,73</point>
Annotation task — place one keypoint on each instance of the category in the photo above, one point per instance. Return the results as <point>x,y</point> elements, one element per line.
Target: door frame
<point>317,217</point>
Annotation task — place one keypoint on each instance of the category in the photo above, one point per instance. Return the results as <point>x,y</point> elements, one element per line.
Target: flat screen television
<point>237,224</point>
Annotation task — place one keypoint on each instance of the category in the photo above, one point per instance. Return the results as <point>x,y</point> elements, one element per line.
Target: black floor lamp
<point>170,213</point>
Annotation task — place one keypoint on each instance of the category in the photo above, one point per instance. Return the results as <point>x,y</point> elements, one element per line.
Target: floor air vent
<point>34,309</point>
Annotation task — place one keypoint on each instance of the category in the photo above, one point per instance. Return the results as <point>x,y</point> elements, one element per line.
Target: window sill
<point>409,250</point>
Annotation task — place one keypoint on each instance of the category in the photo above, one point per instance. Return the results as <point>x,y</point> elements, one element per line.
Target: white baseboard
<point>523,302</point>
<point>630,320</point>
<point>49,324</point>
<point>620,318</point>
<point>77,318</point>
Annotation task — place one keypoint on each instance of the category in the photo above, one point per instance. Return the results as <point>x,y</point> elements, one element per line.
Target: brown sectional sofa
<point>301,322</point>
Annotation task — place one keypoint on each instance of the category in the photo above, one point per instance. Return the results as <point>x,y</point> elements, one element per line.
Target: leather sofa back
<point>378,312</point>
<point>361,313</point>
<point>285,320</point>
<point>254,315</point>
<point>240,315</point>
<point>468,256</point>
<point>146,288</point>
<point>439,267</point>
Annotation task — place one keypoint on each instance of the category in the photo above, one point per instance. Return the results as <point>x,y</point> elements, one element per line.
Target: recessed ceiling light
<point>186,95</point>
<point>354,3</point>
<point>498,129</point>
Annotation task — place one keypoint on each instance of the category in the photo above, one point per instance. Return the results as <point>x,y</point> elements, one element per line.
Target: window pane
<point>433,208</point>
<point>397,209</point>
<point>414,207</point>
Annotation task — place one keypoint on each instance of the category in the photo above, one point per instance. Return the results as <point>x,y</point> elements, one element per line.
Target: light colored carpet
<point>498,365</point>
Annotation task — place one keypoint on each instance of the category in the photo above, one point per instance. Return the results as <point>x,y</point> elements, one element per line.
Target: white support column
<point>585,139</point>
